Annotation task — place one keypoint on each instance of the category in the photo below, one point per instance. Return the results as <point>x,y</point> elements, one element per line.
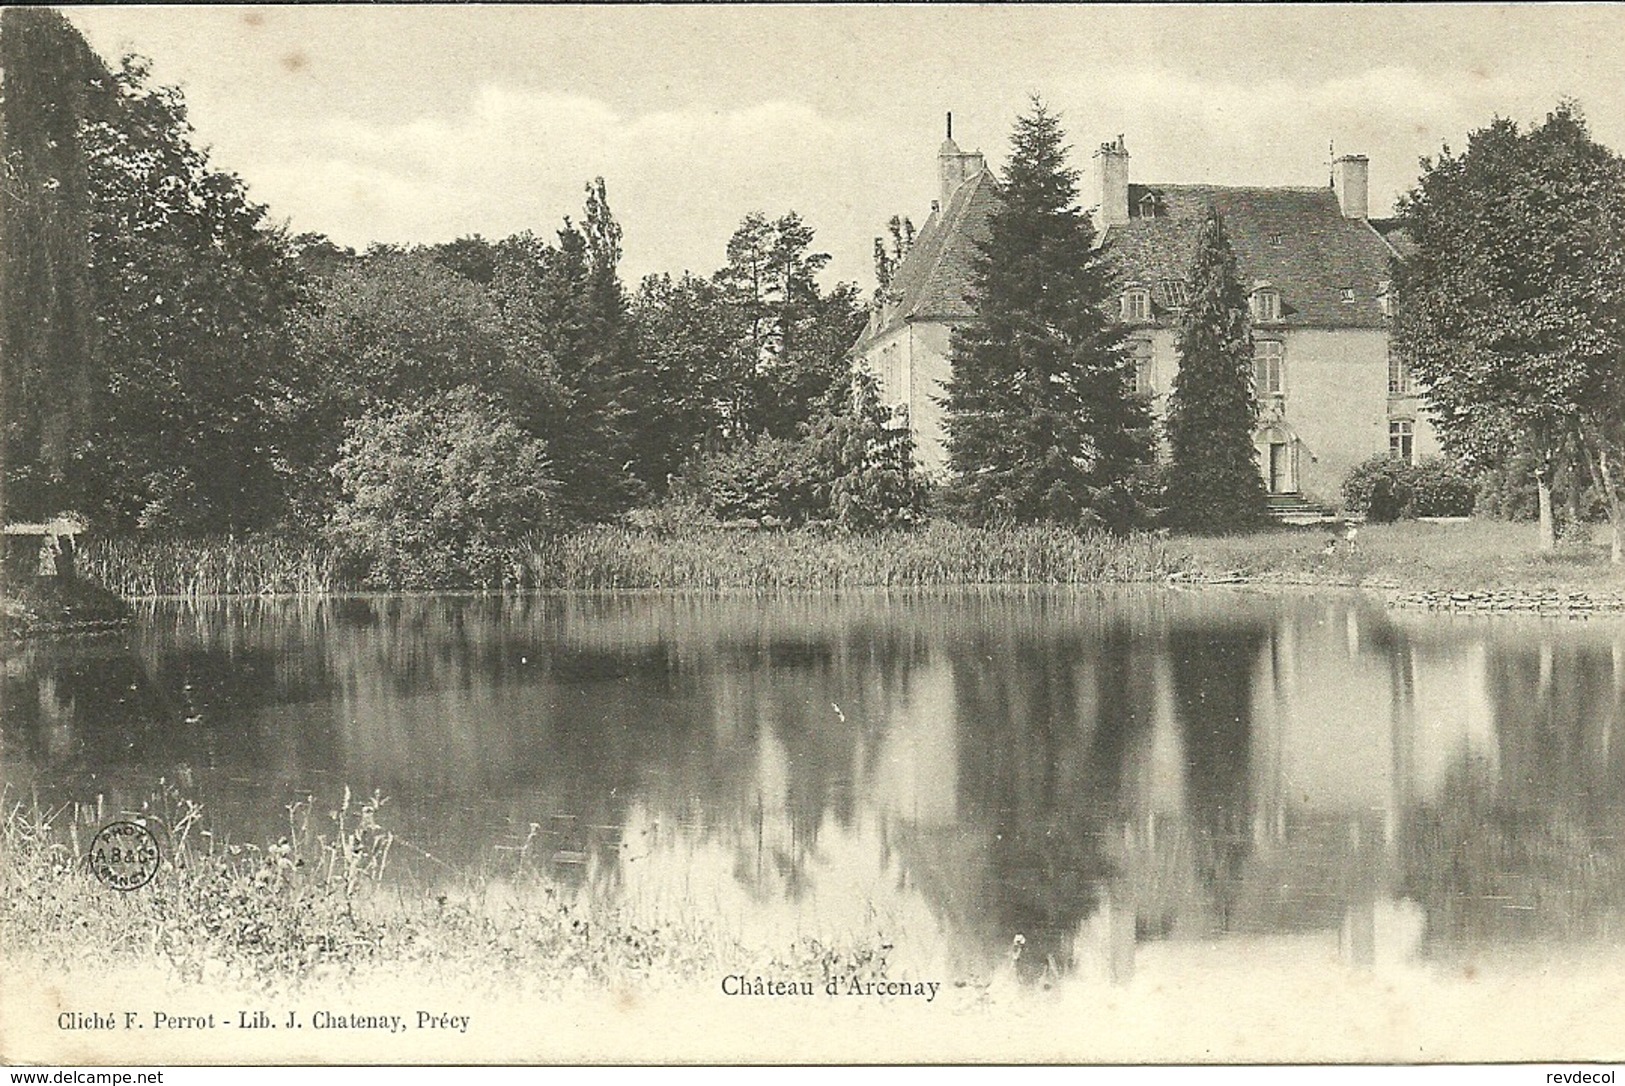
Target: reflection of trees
<point>1048,722</point>
<point>1212,669</point>
<point>1537,850</point>
<point>78,705</point>
<point>816,710</point>
<point>93,706</point>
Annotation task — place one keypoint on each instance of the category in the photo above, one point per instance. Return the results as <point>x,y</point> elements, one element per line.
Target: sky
<point>426,123</point>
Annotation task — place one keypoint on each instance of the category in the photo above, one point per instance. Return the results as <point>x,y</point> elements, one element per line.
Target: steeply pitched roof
<point>935,276</point>
<point>1295,239</point>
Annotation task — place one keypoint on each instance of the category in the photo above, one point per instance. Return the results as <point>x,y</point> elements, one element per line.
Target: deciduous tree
<point>433,493</point>
<point>1511,307</point>
<point>794,336</point>
<point>48,331</point>
<point>193,288</point>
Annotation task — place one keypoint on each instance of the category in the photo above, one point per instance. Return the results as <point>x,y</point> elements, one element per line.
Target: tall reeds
<point>220,566</point>
<point>940,554</point>
<point>698,557</point>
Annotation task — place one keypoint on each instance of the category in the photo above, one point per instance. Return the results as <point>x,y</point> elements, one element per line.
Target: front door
<point>1280,467</point>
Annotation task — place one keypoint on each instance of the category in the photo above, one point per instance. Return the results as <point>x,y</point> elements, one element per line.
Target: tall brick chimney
<point>1351,180</point>
<point>1111,162</point>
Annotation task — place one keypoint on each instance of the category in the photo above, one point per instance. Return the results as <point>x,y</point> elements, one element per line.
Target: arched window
<point>1269,367</point>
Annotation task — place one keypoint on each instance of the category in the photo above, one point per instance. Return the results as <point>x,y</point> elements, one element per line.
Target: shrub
<point>767,480</point>
<point>848,469</point>
<point>865,466</point>
<point>1385,489</point>
<point>435,492</point>
<point>1371,489</point>
<point>1441,488</point>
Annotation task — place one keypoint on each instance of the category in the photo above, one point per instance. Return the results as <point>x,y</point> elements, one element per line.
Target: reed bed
<point>698,557</point>
<point>220,566</point>
<point>940,554</point>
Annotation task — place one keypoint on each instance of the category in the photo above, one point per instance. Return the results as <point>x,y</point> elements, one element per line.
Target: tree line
<point>175,361</point>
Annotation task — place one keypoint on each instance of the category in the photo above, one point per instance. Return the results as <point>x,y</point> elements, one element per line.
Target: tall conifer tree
<point>1214,483</point>
<point>1042,423</point>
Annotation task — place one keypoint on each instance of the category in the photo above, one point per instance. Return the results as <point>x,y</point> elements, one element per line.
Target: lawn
<point>1465,556</point>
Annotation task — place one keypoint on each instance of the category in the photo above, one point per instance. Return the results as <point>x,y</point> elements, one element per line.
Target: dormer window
<point>1348,296</point>
<point>1148,206</point>
<point>1136,304</point>
<point>1266,304</point>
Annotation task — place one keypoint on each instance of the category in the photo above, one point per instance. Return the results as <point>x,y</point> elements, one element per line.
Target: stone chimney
<point>1112,163</point>
<point>955,167</point>
<point>1351,180</point>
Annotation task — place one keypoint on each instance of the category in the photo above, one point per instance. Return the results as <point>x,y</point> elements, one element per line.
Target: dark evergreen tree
<point>571,357</point>
<point>1214,483</point>
<point>866,471</point>
<point>1042,422</point>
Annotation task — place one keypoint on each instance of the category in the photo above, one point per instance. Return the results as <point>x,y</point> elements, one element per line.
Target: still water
<point>976,765</point>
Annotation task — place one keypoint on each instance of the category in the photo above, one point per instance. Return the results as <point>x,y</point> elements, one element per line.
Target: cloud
<point>512,159</point>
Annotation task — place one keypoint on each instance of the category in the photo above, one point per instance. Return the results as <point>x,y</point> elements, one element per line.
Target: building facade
<point>1331,392</point>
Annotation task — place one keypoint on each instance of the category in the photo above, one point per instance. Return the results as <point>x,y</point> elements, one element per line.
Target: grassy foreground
<point>322,906</point>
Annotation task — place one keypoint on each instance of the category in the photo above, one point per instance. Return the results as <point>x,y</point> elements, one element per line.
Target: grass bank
<point>1462,556</point>
<point>31,606</point>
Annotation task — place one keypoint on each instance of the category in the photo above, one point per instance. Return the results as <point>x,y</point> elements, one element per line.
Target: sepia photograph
<point>810,534</point>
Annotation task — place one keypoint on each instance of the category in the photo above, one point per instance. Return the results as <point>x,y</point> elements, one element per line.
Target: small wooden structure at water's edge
<point>40,590</point>
<point>43,550</point>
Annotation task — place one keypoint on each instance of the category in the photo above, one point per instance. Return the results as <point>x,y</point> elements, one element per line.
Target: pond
<point>978,765</point>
